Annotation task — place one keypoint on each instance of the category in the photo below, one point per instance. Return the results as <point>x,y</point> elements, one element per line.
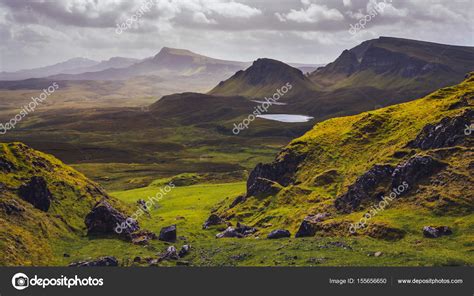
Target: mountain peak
<point>169,51</point>
<point>262,78</point>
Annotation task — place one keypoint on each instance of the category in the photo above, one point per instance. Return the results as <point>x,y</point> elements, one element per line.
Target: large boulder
<point>450,131</point>
<point>415,169</point>
<point>168,233</point>
<point>105,219</point>
<point>103,261</point>
<point>279,233</point>
<point>436,231</point>
<point>309,225</point>
<point>363,188</point>
<point>36,192</point>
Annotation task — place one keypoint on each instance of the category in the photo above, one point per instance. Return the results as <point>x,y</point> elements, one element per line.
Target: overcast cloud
<point>37,33</point>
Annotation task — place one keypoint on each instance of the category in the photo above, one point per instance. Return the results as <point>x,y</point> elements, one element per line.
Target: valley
<point>386,111</point>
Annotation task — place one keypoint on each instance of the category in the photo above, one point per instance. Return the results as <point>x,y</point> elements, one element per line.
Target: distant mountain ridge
<point>389,62</point>
<point>71,66</point>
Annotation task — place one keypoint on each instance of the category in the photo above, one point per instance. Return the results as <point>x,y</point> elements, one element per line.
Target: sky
<point>38,32</point>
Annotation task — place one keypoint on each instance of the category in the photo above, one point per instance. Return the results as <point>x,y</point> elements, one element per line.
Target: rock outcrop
<point>265,179</point>
<point>383,178</point>
<point>36,192</point>
<point>450,131</point>
<point>105,219</point>
<point>363,188</point>
<point>415,169</point>
<point>309,225</point>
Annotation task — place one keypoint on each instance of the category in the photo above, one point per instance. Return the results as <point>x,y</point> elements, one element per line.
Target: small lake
<point>286,117</point>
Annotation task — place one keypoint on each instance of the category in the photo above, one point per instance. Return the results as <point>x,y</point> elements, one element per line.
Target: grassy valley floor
<point>189,206</point>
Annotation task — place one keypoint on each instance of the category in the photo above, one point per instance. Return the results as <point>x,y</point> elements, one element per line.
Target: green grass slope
<point>315,169</point>
<point>28,234</point>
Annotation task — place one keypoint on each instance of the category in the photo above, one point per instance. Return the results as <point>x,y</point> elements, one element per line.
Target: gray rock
<point>105,219</point>
<point>229,232</point>
<point>184,250</point>
<point>308,226</point>
<point>170,254</point>
<point>168,234</point>
<point>262,178</point>
<point>415,169</point>
<point>278,233</point>
<point>363,188</point>
<point>446,133</point>
<point>436,231</point>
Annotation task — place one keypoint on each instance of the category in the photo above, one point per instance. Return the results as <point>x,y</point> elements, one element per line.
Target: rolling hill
<point>326,180</point>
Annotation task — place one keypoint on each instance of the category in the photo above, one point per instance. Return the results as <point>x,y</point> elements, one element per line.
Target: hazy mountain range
<point>168,62</point>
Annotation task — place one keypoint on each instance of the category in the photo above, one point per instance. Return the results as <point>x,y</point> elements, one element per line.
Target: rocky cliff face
<point>281,172</point>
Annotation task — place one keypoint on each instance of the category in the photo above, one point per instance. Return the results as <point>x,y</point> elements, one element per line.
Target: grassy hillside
<point>316,169</point>
<point>28,233</point>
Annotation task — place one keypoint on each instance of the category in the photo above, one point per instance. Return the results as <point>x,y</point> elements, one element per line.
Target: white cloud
<point>201,18</point>
<point>311,13</point>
